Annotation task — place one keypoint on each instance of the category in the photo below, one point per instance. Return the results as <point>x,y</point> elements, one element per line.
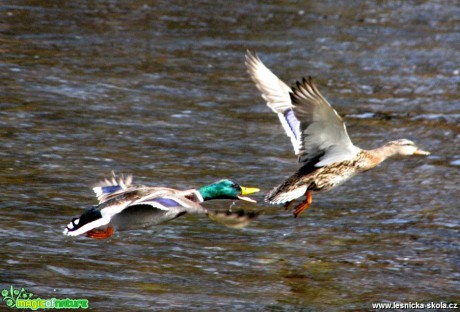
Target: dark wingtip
<point>311,83</point>
<point>300,85</point>
<point>307,81</point>
<point>294,97</point>
<point>297,90</point>
<point>303,88</point>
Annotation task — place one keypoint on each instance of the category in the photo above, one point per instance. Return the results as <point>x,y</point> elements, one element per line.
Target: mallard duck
<point>326,154</point>
<point>124,206</point>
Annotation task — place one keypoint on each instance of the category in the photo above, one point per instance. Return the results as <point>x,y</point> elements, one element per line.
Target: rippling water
<point>159,90</point>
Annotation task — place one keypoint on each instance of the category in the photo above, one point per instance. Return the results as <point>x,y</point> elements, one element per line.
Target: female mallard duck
<point>326,154</point>
<point>124,206</point>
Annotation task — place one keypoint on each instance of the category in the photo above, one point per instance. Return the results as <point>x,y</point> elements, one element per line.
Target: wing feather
<point>317,132</point>
<point>276,93</point>
<point>323,132</point>
<point>112,187</point>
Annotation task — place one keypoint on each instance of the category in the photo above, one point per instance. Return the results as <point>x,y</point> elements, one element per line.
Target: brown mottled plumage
<point>318,134</point>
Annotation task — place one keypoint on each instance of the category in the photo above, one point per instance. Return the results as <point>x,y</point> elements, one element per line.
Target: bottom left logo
<point>21,299</point>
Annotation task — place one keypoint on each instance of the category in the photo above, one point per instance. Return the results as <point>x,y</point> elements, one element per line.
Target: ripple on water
<point>161,92</point>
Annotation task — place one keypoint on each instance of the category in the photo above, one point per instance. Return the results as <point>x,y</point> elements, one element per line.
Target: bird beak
<point>247,191</point>
<point>421,152</point>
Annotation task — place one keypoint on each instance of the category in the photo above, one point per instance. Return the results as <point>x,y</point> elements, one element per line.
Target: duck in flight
<point>318,134</point>
<point>124,206</point>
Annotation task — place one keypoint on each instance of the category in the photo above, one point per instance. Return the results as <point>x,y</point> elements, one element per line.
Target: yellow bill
<point>421,152</point>
<point>248,191</point>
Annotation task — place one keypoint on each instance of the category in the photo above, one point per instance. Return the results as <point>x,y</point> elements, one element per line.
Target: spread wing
<point>324,138</point>
<point>110,188</point>
<point>276,93</point>
<point>318,134</point>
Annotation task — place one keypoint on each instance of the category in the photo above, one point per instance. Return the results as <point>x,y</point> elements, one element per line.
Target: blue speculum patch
<point>110,189</point>
<point>292,121</point>
<point>167,202</point>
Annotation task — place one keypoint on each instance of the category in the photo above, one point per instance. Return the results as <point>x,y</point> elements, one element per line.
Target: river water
<point>158,89</point>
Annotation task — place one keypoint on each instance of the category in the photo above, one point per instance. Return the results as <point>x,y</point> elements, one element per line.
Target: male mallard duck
<point>326,154</point>
<point>124,206</point>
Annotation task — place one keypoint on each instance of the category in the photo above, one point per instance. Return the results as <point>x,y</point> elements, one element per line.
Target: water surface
<point>159,90</point>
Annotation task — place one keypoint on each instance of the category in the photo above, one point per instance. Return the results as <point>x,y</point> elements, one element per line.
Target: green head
<point>226,189</point>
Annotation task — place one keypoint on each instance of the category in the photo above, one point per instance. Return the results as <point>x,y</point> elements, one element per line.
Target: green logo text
<point>21,299</point>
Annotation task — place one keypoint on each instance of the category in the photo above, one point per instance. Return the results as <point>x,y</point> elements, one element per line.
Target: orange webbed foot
<point>100,234</point>
<point>303,205</point>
